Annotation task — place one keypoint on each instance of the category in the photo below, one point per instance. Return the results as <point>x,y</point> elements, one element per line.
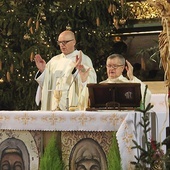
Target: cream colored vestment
<point>58,76</point>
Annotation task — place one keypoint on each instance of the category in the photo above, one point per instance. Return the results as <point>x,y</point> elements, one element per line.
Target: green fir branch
<point>51,159</point>
<point>113,157</point>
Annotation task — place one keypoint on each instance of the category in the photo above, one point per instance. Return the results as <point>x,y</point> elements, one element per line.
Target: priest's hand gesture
<point>40,63</point>
<point>129,69</point>
<point>82,71</point>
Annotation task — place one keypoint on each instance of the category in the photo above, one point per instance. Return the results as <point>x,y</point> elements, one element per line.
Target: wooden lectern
<point>114,96</point>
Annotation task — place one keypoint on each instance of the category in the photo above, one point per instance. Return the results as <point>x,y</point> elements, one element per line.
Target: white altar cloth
<point>111,120</point>
<point>62,120</point>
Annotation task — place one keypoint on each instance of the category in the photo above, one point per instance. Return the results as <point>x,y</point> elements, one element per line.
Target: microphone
<point>67,99</point>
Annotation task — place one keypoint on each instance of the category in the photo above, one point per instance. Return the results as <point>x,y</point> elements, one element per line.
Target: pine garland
<point>51,159</point>
<point>113,157</point>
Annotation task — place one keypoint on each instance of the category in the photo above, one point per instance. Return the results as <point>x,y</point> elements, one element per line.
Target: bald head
<point>67,34</point>
<point>67,42</point>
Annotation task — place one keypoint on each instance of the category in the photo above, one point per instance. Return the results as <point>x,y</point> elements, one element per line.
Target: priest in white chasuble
<point>62,80</point>
<point>115,65</point>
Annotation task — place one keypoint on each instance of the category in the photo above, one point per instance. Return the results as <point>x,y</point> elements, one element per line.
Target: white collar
<point>116,79</point>
<point>71,55</point>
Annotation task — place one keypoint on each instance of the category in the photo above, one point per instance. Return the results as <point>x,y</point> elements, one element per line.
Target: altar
<point>26,128</point>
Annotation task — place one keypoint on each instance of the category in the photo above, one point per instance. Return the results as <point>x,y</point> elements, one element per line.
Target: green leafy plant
<point>51,158</point>
<point>113,157</point>
<point>147,153</point>
<point>151,156</point>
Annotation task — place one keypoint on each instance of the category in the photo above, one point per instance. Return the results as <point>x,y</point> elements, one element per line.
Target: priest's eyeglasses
<point>114,66</point>
<point>63,42</point>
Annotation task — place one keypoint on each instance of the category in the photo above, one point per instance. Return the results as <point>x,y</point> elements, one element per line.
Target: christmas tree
<point>28,27</point>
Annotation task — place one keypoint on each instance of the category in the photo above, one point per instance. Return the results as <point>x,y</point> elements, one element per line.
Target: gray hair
<point>119,56</point>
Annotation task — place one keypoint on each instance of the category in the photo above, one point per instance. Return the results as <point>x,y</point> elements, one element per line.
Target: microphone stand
<point>67,99</point>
